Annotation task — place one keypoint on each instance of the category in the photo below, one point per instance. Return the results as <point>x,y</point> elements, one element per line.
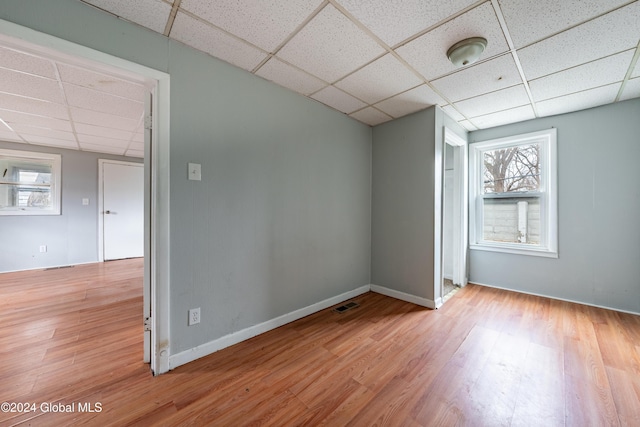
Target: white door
<point>122,209</point>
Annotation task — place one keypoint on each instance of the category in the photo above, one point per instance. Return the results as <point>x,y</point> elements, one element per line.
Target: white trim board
<point>206,349</point>
<point>405,297</point>
<point>557,298</point>
<point>50,267</point>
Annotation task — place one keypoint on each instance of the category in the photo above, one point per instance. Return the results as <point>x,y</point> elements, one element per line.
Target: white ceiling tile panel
<point>23,84</point>
<point>330,46</point>
<point>341,101</point>
<point>43,140</point>
<point>7,135</point>
<point>636,70</point>
<point>578,101</point>
<point>428,53</point>
<point>513,115</point>
<point>396,20</point>
<point>410,101</point>
<point>631,90</point>
<point>101,119</point>
<point>529,21</point>
<point>489,76</point>
<point>103,149</point>
<point>134,153</point>
<point>453,113</point>
<point>101,131</point>
<point>264,23</point>
<point>13,117</point>
<point>152,14</point>
<point>468,125</point>
<point>19,61</point>
<point>138,137</point>
<point>32,106</point>
<point>138,146</point>
<point>290,77</point>
<point>503,99</point>
<point>381,79</point>
<point>100,140</point>
<point>593,74</point>
<point>50,133</point>
<point>612,33</point>
<point>215,42</point>
<point>370,116</point>
<point>102,82</point>
<point>90,99</point>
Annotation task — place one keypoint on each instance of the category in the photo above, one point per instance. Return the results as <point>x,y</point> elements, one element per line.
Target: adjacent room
<point>325,212</point>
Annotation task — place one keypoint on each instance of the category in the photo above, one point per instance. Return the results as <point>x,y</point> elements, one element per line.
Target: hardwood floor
<point>487,357</point>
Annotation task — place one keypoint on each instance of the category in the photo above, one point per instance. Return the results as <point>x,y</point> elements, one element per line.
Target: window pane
<point>512,220</point>
<point>513,169</point>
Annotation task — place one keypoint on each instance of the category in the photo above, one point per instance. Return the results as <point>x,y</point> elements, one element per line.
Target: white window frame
<point>548,194</point>
<point>46,159</point>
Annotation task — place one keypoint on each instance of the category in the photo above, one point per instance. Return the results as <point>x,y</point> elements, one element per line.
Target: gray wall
<point>281,218</point>
<point>598,208</point>
<point>402,204</point>
<point>72,237</point>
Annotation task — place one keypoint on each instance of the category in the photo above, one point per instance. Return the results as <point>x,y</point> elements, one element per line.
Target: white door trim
<point>24,38</point>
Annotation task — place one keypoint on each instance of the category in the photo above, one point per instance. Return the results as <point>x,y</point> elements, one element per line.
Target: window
<point>29,183</point>
<point>513,194</point>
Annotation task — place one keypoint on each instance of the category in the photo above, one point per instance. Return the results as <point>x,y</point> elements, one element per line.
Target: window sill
<point>511,249</point>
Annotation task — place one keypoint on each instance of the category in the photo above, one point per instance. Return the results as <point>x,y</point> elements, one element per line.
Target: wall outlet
<point>43,248</point>
<point>194,316</point>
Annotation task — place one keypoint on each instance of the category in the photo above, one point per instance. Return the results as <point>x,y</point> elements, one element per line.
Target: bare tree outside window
<point>513,169</point>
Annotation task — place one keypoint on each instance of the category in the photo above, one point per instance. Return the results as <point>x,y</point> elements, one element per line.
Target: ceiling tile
<point>593,74</point>
<point>410,101</point>
<point>504,117</point>
<point>102,82</point>
<point>85,129</point>
<point>32,106</point>
<point>453,113</point>
<point>373,83</point>
<point>139,137</point>
<point>335,98</point>
<point>480,78</point>
<point>330,46</point>
<point>578,101</point>
<point>215,42</point>
<point>468,125</point>
<point>49,133</point>
<point>529,21</point>
<point>23,84</point>
<point>290,77</point>
<point>396,20</point>
<point>636,71</point>
<point>265,23</point>
<point>138,146</point>
<point>101,119</point>
<point>134,153</point>
<point>102,149</point>
<point>631,90</point>
<point>152,14</point>
<point>43,140</point>
<point>612,33</point>
<point>90,99</point>
<point>370,116</point>
<point>428,53</point>
<point>7,135</point>
<point>100,140</point>
<point>499,100</point>
<point>13,117</point>
<point>19,61</point>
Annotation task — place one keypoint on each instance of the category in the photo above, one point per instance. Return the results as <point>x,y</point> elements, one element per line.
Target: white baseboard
<point>49,267</point>
<point>557,298</point>
<point>192,354</point>
<point>404,296</point>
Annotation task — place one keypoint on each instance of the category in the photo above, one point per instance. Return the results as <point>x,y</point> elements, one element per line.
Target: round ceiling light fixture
<point>467,51</point>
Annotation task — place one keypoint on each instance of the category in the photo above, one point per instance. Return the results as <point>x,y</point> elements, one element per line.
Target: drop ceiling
<point>374,60</point>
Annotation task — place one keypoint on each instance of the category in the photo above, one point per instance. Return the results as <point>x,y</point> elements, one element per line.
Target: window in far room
<point>513,194</point>
<point>29,183</point>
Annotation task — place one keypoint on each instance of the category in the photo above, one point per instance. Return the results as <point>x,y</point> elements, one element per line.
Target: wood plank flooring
<point>488,357</point>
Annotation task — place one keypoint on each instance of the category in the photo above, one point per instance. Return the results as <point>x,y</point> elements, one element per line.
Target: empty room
<point>319,212</point>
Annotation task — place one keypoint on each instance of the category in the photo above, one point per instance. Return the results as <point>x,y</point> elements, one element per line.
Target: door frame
<point>101,163</point>
<point>157,173</point>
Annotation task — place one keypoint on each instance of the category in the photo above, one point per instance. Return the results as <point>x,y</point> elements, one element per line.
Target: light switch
<point>85,202</point>
<point>194,172</point>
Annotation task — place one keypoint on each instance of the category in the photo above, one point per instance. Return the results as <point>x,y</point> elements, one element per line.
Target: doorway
<point>156,169</point>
